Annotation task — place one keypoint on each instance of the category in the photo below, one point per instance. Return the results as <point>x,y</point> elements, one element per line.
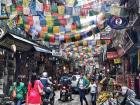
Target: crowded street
<point>69,52</point>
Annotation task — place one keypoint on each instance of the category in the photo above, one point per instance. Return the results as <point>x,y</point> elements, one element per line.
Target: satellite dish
<point>1,33</point>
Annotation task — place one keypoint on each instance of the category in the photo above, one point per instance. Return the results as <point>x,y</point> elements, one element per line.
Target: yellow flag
<point>25,3</point>
<point>56,29</point>
<point>61,10</point>
<point>70,2</point>
<point>20,21</point>
<point>49,20</point>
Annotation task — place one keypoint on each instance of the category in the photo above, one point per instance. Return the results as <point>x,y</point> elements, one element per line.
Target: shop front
<point>17,58</point>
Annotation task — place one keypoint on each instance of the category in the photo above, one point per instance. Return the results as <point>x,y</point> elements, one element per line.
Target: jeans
<point>18,102</point>
<point>82,96</point>
<point>93,98</point>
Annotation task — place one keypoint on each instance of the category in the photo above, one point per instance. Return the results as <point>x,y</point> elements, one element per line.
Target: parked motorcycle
<point>51,96</point>
<point>64,93</point>
<point>129,101</point>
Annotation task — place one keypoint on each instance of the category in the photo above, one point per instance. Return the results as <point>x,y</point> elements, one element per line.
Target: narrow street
<point>76,100</point>
<point>69,45</point>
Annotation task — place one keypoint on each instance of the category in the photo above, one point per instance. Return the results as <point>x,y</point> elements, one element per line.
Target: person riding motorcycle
<point>66,81</point>
<point>46,83</point>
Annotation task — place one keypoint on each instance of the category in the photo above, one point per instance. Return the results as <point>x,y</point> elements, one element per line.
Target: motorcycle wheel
<point>52,101</point>
<point>63,98</point>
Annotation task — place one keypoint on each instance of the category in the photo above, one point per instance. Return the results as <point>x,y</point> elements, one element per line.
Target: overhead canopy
<point>21,44</point>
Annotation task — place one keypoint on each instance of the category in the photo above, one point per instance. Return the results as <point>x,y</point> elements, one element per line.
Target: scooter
<point>50,99</point>
<point>64,93</point>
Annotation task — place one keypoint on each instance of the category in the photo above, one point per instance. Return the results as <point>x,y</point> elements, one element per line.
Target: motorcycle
<point>64,93</point>
<point>129,101</point>
<point>50,99</point>
<point>56,86</point>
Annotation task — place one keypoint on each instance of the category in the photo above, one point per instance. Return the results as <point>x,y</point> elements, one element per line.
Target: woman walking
<point>18,91</point>
<point>82,85</point>
<point>35,89</point>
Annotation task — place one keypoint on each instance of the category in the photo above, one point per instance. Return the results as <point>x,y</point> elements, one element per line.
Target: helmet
<point>124,90</point>
<point>50,78</point>
<point>45,74</point>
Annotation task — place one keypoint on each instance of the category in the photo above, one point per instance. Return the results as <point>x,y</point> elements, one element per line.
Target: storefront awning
<point>21,44</point>
<point>39,49</point>
<point>24,40</point>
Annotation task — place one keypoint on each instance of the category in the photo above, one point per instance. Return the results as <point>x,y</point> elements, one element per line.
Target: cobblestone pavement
<point>76,100</point>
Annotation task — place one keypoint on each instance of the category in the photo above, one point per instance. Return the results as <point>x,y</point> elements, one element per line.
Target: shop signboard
<point>117,61</point>
<point>127,42</point>
<point>117,22</point>
<point>112,55</point>
<point>56,53</point>
<point>107,33</point>
<point>122,43</point>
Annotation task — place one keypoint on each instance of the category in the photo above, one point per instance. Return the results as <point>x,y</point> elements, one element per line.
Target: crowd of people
<point>32,94</point>
<point>38,89</point>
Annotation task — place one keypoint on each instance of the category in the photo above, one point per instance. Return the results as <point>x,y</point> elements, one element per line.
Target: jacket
<point>21,90</point>
<point>85,82</point>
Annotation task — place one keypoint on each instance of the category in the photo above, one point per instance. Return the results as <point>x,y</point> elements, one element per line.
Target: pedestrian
<point>18,91</point>
<point>93,91</point>
<point>35,91</point>
<point>82,85</point>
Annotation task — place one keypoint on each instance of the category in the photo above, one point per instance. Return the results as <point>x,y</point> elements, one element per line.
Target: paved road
<point>76,100</point>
